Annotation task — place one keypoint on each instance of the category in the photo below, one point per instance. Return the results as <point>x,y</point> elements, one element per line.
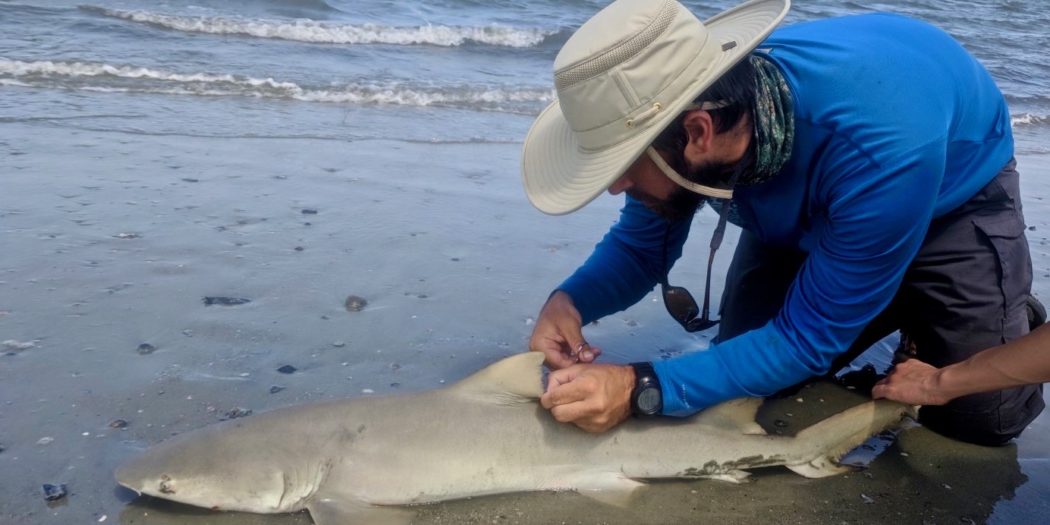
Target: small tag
<point>729,45</point>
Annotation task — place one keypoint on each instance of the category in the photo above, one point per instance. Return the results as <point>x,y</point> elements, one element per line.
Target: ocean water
<point>438,71</point>
<point>296,151</point>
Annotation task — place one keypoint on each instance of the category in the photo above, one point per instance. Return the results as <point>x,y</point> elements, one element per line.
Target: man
<point>868,160</point>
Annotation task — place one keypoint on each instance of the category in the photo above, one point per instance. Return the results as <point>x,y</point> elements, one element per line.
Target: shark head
<point>209,469</point>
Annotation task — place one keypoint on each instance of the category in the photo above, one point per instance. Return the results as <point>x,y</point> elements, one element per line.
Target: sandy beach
<point>112,242</point>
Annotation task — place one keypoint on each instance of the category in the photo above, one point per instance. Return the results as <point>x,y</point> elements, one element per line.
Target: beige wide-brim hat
<point>621,79</point>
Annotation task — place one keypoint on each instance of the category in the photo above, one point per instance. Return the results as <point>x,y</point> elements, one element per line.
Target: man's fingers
<point>572,332</point>
<point>559,380</point>
<point>581,351</point>
<point>554,352</point>
<point>567,413</point>
<point>882,386</point>
<point>590,354</point>
<point>562,389</point>
<point>577,346</point>
<point>560,396</point>
<point>558,359</point>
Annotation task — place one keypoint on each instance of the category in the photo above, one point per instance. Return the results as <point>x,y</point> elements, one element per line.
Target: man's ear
<point>700,129</point>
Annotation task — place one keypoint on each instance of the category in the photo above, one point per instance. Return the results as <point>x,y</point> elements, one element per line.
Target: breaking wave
<point>1028,119</point>
<point>304,30</point>
<point>101,77</point>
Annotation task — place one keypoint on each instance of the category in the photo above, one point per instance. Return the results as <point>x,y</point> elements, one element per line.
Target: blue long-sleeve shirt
<point>895,124</point>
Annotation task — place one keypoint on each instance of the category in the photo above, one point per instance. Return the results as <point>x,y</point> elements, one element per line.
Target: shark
<point>370,459</point>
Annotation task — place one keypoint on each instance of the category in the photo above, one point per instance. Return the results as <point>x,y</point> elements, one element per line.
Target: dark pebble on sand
<point>190,179</point>
<point>237,412</point>
<point>225,301</point>
<point>146,349</point>
<point>118,423</point>
<point>299,248</point>
<point>274,389</point>
<point>309,211</point>
<point>1031,228</point>
<point>287,369</point>
<point>54,492</point>
<point>354,303</point>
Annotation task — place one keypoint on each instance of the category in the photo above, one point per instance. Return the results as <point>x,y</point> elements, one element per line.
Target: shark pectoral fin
<point>820,468</point>
<point>613,489</point>
<point>735,414</point>
<point>341,512</point>
<point>516,379</point>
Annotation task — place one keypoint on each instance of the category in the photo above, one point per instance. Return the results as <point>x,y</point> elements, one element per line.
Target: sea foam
<point>102,77</point>
<point>305,30</point>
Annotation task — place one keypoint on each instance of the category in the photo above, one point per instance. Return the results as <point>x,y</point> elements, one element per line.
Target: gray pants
<point>964,292</point>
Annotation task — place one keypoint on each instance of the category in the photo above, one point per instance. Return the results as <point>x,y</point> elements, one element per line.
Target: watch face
<point>649,400</point>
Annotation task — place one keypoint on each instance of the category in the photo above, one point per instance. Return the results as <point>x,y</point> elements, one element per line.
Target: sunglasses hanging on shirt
<point>677,300</point>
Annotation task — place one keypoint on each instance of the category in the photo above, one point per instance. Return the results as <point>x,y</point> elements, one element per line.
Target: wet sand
<point>112,241</point>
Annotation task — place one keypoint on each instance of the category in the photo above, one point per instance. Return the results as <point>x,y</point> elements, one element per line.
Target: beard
<point>681,204</point>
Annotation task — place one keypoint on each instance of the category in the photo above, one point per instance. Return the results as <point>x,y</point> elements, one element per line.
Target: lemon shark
<point>366,460</point>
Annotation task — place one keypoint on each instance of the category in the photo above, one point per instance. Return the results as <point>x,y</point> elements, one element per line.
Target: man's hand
<point>913,382</point>
<point>592,397</point>
<point>559,334</point>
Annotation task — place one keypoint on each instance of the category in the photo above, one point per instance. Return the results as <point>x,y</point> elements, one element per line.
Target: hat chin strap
<point>717,193</point>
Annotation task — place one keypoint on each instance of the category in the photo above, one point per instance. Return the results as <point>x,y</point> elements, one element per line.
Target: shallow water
<point>147,166</point>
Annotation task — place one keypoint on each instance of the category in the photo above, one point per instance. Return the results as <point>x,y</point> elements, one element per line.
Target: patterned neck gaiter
<point>774,135</point>
<point>773,122</point>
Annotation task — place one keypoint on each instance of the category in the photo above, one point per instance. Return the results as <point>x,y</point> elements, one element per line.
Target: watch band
<point>647,396</point>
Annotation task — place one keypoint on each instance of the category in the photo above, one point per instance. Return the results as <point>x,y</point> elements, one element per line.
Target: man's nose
<point>621,185</point>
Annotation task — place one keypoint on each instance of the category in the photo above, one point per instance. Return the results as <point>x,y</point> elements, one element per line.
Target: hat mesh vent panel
<point>619,52</point>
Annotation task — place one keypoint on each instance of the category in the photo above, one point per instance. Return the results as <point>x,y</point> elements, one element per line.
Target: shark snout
<point>207,476</point>
<point>145,476</point>
<point>126,477</point>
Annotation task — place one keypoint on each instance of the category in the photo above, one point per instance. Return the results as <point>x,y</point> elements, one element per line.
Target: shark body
<point>364,460</point>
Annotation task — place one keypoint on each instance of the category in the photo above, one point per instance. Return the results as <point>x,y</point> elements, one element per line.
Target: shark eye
<point>166,486</point>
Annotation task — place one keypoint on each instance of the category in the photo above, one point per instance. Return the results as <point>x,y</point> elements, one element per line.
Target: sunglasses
<point>678,301</point>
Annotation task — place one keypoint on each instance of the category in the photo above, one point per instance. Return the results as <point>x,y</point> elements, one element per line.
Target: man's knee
<point>989,419</point>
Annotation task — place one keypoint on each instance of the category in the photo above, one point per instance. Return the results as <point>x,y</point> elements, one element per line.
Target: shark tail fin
<point>826,442</point>
<point>515,379</point>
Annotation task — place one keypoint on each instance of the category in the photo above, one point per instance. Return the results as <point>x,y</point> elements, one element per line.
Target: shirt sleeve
<point>627,263</point>
<point>877,215</point>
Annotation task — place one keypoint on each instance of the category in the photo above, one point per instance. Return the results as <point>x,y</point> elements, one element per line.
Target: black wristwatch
<point>647,399</point>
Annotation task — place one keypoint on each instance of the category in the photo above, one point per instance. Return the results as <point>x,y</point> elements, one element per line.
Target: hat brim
<point>560,177</point>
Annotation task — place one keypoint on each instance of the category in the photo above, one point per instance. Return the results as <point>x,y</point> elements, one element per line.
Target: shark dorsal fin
<point>735,414</point>
<point>515,379</point>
